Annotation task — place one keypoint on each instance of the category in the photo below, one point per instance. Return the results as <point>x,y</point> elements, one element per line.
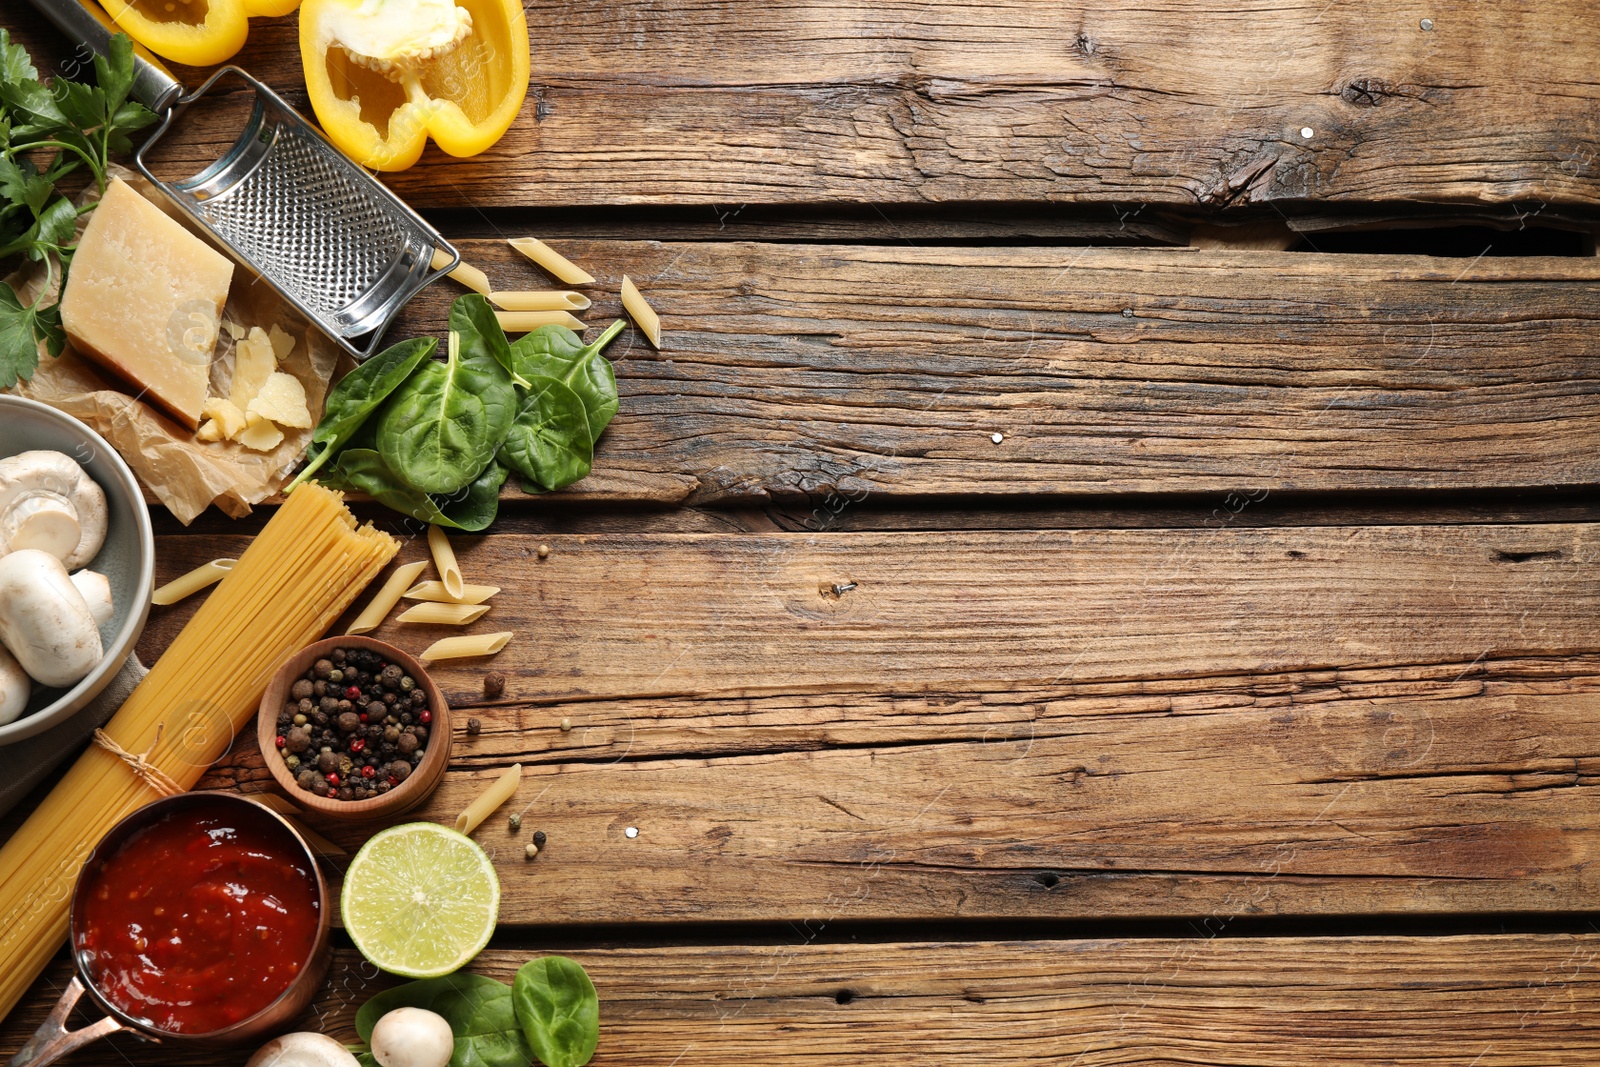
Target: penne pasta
<point>499,791</point>
<point>560,267</point>
<point>436,592</point>
<point>464,272</point>
<point>443,614</point>
<point>444,561</point>
<point>528,321</point>
<point>385,599</point>
<point>189,584</point>
<point>535,300</point>
<point>643,315</point>
<point>466,647</point>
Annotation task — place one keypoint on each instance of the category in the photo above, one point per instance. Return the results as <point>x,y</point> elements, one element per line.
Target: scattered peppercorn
<point>516,822</point>
<point>544,551</point>
<point>474,727</point>
<point>532,851</point>
<point>494,683</point>
<point>566,724</point>
<point>538,838</point>
<point>354,727</point>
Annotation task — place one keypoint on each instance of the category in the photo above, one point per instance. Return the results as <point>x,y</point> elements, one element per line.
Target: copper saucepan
<point>53,1040</point>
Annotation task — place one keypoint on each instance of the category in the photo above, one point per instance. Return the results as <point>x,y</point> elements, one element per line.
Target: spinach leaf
<point>471,509</point>
<point>479,1010</point>
<point>358,395</point>
<point>472,316</point>
<point>442,428</point>
<point>549,442</point>
<point>558,1009</point>
<point>556,352</point>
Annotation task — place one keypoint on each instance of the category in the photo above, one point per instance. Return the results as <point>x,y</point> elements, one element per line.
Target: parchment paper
<point>184,474</point>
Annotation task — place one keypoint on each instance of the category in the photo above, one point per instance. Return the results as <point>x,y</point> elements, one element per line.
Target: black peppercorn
<point>338,656</point>
<point>474,727</point>
<point>494,683</point>
<point>538,838</point>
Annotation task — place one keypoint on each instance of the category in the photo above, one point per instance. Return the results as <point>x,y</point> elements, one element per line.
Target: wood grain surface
<point>840,372</point>
<point>1180,102</point>
<point>1050,723</point>
<point>1491,1001</point>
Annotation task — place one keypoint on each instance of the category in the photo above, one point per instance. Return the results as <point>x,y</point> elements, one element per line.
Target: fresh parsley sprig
<point>48,131</point>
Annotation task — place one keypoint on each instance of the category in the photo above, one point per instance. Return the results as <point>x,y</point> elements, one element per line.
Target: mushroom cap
<point>303,1049</point>
<point>42,493</point>
<point>15,687</point>
<point>44,620</point>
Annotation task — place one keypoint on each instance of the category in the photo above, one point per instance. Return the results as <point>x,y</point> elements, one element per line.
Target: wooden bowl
<point>402,798</point>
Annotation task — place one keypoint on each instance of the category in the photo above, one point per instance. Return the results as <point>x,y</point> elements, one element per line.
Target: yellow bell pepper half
<point>386,75</point>
<point>198,33</point>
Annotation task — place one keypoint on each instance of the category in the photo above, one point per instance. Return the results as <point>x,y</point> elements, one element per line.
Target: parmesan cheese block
<point>144,299</point>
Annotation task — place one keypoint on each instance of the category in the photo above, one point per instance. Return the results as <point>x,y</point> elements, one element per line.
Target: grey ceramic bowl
<point>127,558</point>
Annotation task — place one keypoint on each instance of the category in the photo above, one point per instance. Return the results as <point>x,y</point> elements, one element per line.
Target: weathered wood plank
<point>1179,102</point>
<point>1139,723</point>
<point>836,372</point>
<point>606,616</point>
<point>1492,1001</point>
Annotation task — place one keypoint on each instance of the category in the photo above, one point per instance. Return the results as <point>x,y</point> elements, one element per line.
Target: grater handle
<point>85,23</point>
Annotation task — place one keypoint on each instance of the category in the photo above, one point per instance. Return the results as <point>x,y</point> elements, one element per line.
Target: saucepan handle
<point>83,21</point>
<point>53,1040</point>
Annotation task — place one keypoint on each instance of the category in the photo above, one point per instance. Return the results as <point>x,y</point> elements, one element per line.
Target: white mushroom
<point>304,1049</point>
<point>48,502</point>
<point>44,620</point>
<point>15,687</point>
<point>96,590</point>
<point>412,1037</point>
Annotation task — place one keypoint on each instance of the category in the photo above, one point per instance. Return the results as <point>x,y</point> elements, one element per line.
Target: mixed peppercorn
<point>354,726</point>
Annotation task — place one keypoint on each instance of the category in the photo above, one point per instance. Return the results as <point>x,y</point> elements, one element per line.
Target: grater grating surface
<point>296,211</point>
<point>309,226</point>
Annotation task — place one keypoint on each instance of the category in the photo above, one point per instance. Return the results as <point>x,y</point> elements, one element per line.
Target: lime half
<point>420,900</point>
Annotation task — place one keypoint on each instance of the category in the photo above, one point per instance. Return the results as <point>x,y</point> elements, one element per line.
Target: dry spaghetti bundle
<point>295,579</point>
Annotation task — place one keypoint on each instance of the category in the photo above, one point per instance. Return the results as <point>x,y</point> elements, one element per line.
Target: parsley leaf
<point>82,125</point>
<point>22,330</point>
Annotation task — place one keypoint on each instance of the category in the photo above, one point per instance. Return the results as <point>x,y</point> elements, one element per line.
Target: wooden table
<point>1059,595</point>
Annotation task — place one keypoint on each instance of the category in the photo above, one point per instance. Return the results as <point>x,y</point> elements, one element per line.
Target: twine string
<point>151,775</point>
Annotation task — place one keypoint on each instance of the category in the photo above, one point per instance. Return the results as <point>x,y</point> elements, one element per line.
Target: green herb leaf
<point>479,1010</point>
<point>559,1011</point>
<point>442,428</point>
<point>556,352</point>
<point>22,329</point>
<point>114,72</point>
<point>549,442</point>
<point>357,396</point>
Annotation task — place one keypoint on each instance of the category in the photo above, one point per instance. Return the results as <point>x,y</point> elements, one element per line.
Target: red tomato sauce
<point>200,920</point>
